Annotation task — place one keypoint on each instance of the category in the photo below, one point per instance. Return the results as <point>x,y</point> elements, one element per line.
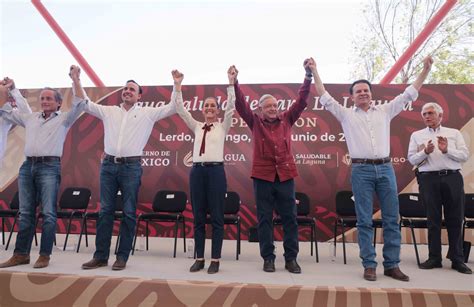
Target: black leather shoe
<point>213,268</point>
<point>396,273</point>
<point>119,264</point>
<point>461,268</point>
<point>197,266</point>
<point>292,266</point>
<point>430,264</point>
<point>94,264</point>
<point>269,265</point>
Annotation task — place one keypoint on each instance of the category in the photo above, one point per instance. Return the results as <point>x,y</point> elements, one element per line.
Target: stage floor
<point>158,263</point>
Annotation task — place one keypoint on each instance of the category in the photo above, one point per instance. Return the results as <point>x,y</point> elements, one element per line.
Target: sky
<point>145,40</point>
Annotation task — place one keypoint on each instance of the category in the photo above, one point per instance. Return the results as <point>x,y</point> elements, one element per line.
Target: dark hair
<point>215,99</point>
<point>57,95</point>
<point>357,82</point>
<point>140,91</point>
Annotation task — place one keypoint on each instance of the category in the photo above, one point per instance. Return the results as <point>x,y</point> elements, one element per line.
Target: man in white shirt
<point>440,184</point>
<point>367,131</point>
<point>127,128</point>
<point>40,175</point>
<point>7,87</point>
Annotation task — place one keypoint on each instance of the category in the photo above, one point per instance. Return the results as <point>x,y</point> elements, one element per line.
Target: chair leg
<point>175,236</point>
<point>117,243</point>
<point>184,234</point>
<point>36,226</point>
<point>375,235</point>
<point>11,230</point>
<point>335,234</point>
<point>3,230</point>
<point>315,243</point>
<point>238,234</point>
<point>67,232</point>
<point>83,224</point>
<point>343,242</point>
<point>312,239</point>
<point>136,234</point>
<point>414,244</point>
<point>147,233</point>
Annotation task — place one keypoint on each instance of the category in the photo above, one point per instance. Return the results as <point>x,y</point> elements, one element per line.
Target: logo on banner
<point>188,159</point>
<point>312,159</point>
<point>346,159</point>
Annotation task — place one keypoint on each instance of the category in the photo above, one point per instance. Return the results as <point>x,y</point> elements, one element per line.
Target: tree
<point>392,25</point>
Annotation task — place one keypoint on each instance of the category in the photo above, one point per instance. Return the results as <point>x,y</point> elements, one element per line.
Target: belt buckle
<point>443,172</point>
<point>117,160</point>
<point>203,164</point>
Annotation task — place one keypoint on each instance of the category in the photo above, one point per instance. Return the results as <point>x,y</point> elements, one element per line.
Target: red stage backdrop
<point>318,146</point>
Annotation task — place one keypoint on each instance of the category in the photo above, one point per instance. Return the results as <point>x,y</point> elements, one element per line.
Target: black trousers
<point>208,188</point>
<point>443,192</point>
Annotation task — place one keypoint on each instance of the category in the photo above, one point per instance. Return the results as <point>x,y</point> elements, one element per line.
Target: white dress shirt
<point>6,125</point>
<point>215,138</point>
<point>44,137</point>
<point>368,133</point>
<point>436,161</point>
<point>126,132</point>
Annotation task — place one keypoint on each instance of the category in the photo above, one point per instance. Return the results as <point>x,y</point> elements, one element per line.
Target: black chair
<point>13,212</point>
<point>346,217</point>
<point>231,216</point>
<point>303,220</point>
<point>73,204</point>
<point>168,206</point>
<point>413,215</point>
<point>118,216</point>
<point>468,213</point>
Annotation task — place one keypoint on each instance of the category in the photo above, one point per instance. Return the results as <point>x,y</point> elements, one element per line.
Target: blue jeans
<point>281,197</point>
<point>38,182</point>
<point>114,177</point>
<point>208,187</point>
<point>367,179</point>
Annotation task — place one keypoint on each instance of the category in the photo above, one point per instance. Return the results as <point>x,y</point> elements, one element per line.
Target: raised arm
<point>241,106</point>
<point>229,111</point>
<point>20,101</point>
<point>80,98</point>
<point>3,93</point>
<point>156,114</point>
<point>180,109</point>
<point>318,84</point>
<point>294,112</point>
<point>427,63</point>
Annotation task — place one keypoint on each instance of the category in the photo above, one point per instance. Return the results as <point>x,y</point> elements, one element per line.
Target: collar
<point>371,107</point>
<point>54,114</point>
<point>279,118</point>
<point>135,105</point>
<point>438,129</point>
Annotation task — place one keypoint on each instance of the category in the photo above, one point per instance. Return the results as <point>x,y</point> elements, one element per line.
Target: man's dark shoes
<point>94,264</point>
<point>197,266</point>
<point>430,264</point>
<point>461,268</point>
<point>369,274</point>
<point>293,267</point>
<point>119,264</point>
<point>395,273</point>
<point>269,265</point>
<point>213,268</point>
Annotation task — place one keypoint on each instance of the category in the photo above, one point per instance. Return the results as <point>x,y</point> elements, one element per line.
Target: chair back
<point>231,203</point>
<point>302,208</point>
<point>411,205</point>
<point>169,201</point>
<point>345,205</point>
<point>469,206</point>
<point>15,203</point>
<point>75,198</point>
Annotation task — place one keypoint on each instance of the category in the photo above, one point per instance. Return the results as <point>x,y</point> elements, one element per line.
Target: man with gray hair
<point>274,169</point>
<point>438,153</point>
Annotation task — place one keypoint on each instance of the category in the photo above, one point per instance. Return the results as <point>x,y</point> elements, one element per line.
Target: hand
<point>310,66</point>
<point>427,63</point>
<point>232,74</point>
<point>177,77</point>
<point>429,147</point>
<point>9,83</point>
<point>443,144</point>
<point>75,73</point>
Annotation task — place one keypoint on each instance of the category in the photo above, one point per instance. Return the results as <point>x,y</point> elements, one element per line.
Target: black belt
<point>206,164</point>
<point>43,159</point>
<point>122,160</point>
<point>442,172</point>
<point>371,161</point>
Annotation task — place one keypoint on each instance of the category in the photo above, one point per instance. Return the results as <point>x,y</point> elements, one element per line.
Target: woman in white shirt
<point>207,178</point>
